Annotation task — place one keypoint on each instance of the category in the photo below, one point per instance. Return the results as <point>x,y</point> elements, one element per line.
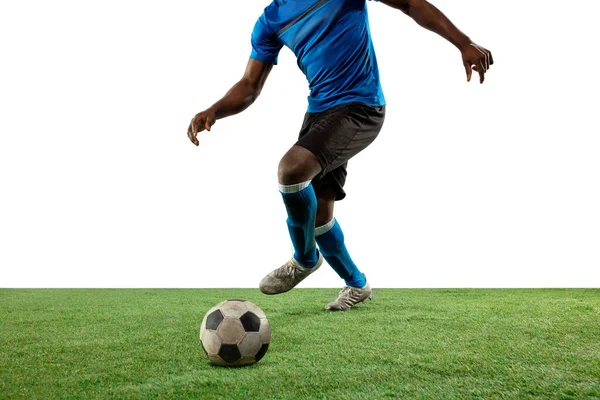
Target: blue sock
<point>330,239</point>
<point>301,205</point>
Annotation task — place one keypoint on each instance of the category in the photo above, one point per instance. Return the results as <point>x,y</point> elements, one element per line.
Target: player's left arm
<point>429,17</point>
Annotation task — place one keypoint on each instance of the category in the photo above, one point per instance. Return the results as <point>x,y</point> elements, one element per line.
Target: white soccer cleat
<point>349,296</point>
<point>286,277</point>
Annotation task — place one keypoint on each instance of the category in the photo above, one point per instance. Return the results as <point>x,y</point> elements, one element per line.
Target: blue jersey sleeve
<point>265,46</point>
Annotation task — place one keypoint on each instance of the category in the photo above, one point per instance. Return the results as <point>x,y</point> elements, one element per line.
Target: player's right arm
<point>238,98</point>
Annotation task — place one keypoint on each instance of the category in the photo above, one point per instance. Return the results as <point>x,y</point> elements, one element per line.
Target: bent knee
<point>298,166</point>
<point>290,173</point>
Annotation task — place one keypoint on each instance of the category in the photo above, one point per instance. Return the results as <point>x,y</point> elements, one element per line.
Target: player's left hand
<point>478,59</point>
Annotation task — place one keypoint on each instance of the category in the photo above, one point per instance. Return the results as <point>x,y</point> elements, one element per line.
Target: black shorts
<point>336,135</point>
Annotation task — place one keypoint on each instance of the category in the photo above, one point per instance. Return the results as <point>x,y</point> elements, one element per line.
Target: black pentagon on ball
<point>229,353</point>
<point>214,319</point>
<point>250,321</point>
<point>261,352</point>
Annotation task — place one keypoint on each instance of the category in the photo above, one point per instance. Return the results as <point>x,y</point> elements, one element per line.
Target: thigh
<point>336,135</point>
<point>332,183</point>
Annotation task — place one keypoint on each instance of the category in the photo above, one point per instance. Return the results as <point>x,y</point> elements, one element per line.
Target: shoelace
<point>345,296</point>
<point>290,269</point>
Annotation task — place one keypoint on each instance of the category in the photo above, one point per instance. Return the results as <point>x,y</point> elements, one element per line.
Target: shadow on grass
<point>217,367</point>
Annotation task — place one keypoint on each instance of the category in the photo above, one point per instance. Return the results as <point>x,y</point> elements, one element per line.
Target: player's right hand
<point>203,120</point>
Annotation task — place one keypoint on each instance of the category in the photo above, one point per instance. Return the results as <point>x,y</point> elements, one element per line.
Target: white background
<point>468,185</point>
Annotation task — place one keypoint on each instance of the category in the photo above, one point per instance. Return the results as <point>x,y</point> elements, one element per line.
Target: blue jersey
<point>332,43</point>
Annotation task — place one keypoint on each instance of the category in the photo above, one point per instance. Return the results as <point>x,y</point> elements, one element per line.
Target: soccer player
<point>346,109</point>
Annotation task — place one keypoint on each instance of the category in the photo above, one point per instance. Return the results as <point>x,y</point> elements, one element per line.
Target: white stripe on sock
<point>320,230</point>
<point>293,188</point>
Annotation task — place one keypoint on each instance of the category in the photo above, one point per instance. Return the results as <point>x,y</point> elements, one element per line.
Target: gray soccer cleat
<point>349,296</point>
<point>286,277</point>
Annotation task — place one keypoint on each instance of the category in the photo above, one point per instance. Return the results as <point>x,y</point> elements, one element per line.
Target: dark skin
<point>429,17</point>
<point>300,165</point>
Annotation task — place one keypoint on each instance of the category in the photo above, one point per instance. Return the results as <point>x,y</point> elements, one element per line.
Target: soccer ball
<point>235,333</point>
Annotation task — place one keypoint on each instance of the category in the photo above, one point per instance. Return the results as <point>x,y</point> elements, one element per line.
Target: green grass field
<point>430,344</point>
